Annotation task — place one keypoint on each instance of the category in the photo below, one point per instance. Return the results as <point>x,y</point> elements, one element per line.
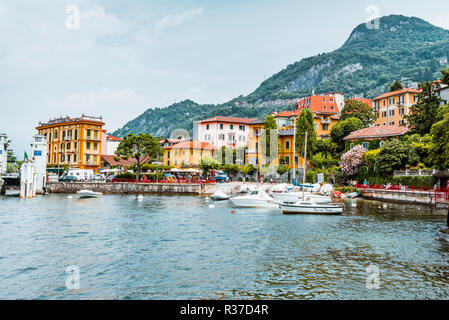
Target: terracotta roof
<point>284,114</point>
<point>109,137</point>
<point>109,159</point>
<point>172,141</point>
<point>367,101</point>
<point>189,144</point>
<point>398,92</point>
<point>228,120</point>
<point>377,132</point>
<point>318,103</point>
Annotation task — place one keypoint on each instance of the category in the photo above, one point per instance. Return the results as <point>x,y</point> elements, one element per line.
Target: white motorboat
<point>293,197</point>
<point>255,199</point>
<point>84,194</point>
<point>310,207</point>
<point>219,196</point>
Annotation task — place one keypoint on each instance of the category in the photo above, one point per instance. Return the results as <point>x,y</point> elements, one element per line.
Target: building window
<point>324,108</point>
<point>231,126</point>
<point>325,127</point>
<point>74,158</point>
<point>87,158</point>
<point>287,145</point>
<point>76,134</point>
<point>207,126</point>
<point>391,112</point>
<point>221,137</point>
<point>382,143</point>
<point>365,145</point>
<point>401,122</point>
<point>315,126</point>
<point>221,126</point>
<point>88,133</point>
<point>287,160</point>
<point>296,160</point>
<point>384,114</point>
<point>56,134</point>
<point>351,145</point>
<point>88,145</point>
<point>392,123</point>
<point>168,155</point>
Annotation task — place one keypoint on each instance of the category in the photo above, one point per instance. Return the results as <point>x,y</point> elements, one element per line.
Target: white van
<point>80,174</point>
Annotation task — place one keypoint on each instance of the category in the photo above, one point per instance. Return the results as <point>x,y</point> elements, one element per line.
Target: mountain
<point>408,49</point>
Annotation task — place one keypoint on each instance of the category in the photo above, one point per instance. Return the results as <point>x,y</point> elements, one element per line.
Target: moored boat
<point>84,194</point>
<point>293,197</point>
<point>310,207</point>
<point>255,199</point>
<point>219,196</point>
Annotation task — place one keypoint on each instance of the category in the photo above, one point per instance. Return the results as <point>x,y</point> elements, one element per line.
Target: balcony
<point>326,121</point>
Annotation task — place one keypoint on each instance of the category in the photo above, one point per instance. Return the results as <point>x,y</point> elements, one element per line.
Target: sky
<point>122,57</point>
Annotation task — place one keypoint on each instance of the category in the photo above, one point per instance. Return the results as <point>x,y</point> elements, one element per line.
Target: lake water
<point>176,247</point>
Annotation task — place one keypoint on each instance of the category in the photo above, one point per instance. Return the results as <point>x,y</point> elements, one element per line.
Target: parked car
<point>221,177</point>
<point>67,179</point>
<point>98,177</point>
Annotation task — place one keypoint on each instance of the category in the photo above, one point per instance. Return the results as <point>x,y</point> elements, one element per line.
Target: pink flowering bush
<point>352,160</point>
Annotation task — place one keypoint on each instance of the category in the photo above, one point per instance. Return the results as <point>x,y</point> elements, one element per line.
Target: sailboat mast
<point>305,164</point>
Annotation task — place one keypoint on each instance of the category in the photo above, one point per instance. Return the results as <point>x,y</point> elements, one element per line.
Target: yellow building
<point>187,153</point>
<point>73,142</point>
<point>286,150</point>
<point>390,108</point>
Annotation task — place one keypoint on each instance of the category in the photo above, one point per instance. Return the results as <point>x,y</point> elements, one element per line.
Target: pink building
<point>109,143</point>
<point>221,131</point>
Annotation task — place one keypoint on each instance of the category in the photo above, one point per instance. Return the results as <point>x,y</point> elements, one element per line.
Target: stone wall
<point>127,188</point>
<point>419,197</point>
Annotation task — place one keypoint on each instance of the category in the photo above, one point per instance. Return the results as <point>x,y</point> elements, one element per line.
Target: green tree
<point>139,147</point>
<point>445,76</point>
<point>425,113</point>
<point>343,129</point>
<point>247,170</point>
<point>440,145</point>
<point>270,124</point>
<point>326,147</point>
<point>209,164</point>
<point>396,86</point>
<point>393,156</point>
<point>360,110</point>
<point>282,169</point>
<point>304,124</point>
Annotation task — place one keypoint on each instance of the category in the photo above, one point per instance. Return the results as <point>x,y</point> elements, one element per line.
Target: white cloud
<point>115,106</point>
<point>98,22</point>
<point>441,20</point>
<point>176,19</point>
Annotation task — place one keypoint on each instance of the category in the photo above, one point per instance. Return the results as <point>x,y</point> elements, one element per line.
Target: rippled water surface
<point>178,248</point>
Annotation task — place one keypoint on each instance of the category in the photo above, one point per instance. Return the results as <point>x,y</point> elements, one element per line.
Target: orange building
<point>326,111</point>
<point>390,108</point>
<point>73,142</point>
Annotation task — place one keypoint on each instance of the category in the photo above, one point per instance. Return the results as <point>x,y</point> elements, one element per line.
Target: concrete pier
<point>128,188</point>
<point>418,197</point>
